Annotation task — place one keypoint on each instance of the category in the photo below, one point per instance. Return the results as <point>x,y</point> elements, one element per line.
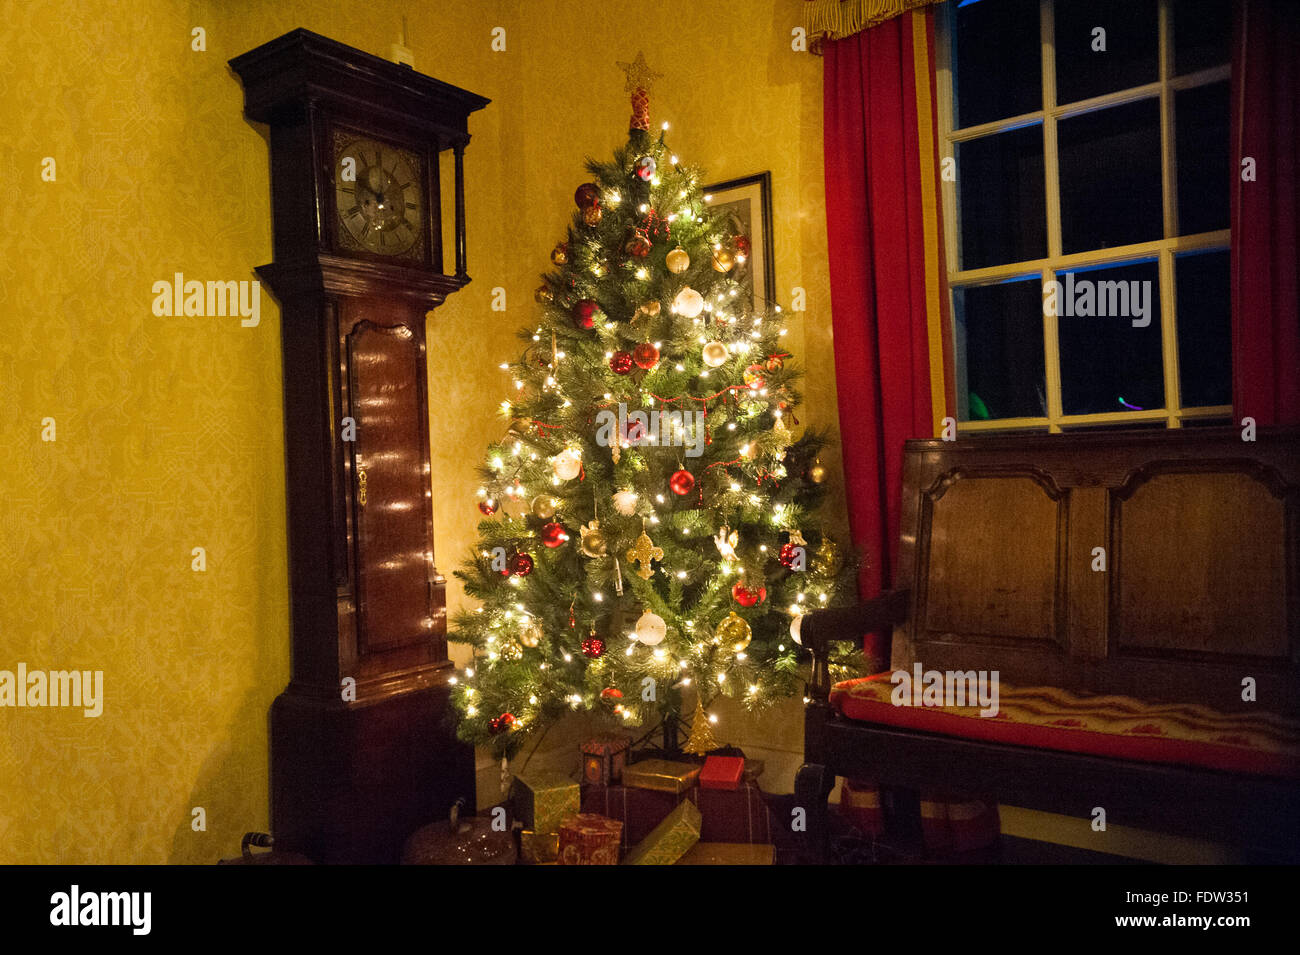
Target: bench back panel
<point>1160,564</point>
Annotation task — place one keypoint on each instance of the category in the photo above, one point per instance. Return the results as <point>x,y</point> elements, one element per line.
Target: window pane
<point>1202,34</point>
<point>1204,158</point>
<point>996,59</point>
<point>1125,54</point>
<point>1110,177</point>
<point>1204,328</point>
<point>999,345</point>
<point>1000,188</point>
<point>1107,362</point>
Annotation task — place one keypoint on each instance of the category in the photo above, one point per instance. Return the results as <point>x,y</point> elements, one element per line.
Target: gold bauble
<point>543,507</point>
<point>511,651</point>
<point>650,308</point>
<point>531,635</point>
<point>826,560</point>
<point>677,260</point>
<point>593,540</point>
<point>714,354</point>
<point>560,254</point>
<point>817,473</point>
<point>543,295</point>
<point>591,215</point>
<point>723,260</point>
<point>688,302</point>
<point>735,631</point>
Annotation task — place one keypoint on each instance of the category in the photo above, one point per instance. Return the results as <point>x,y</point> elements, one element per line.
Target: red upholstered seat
<point>1117,726</point>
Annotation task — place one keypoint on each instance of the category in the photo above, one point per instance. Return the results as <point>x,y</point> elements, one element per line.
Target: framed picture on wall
<point>747,204</point>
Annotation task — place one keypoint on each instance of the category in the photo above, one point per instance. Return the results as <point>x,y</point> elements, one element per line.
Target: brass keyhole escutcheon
<point>361,486</point>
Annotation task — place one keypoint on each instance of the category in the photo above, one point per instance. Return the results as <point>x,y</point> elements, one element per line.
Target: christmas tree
<point>650,511</point>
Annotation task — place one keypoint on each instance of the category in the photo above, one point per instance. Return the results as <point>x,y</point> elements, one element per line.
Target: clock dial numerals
<point>378,196</point>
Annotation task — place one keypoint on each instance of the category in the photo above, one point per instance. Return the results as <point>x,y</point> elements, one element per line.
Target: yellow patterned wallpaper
<point>168,430</point>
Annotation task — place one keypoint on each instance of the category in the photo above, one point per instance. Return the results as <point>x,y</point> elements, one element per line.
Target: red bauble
<point>488,506</point>
<point>501,723</point>
<point>588,194</point>
<point>638,246</point>
<point>747,597</point>
<point>682,482</point>
<point>621,363</point>
<point>774,363</point>
<point>553,534</point>
<point>521,565</point>
<point>741,244</point>
<point>645,355</point>
<point>635,432</point>
<point>788,554</point>
<point>611,693</point>
<point>584,310</point>
<point>593,647</point>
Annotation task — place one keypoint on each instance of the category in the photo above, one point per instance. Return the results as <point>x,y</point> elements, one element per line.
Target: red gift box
<point>738,815</point>
<point>589,839</point>
<point>640,810</point>
<point>722,772</point>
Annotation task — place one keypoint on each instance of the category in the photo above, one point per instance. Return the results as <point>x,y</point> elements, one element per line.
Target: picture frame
<point>747,203</point>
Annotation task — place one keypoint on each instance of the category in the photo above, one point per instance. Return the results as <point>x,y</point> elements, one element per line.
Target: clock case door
<point>363,745</point>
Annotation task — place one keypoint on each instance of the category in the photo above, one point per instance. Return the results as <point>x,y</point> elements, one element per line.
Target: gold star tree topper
<point>639,80</point>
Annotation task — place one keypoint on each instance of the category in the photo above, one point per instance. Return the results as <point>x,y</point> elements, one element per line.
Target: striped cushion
<point>1052,718</point>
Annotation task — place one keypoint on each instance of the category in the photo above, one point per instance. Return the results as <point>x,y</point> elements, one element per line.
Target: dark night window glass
<point>1109,163</point>
<point>1000,347</point>
<point>996,61</point>
<point>1001,186</point>
<point>1204,158</point>
<point>1130,55</point>
<point>1107,363</point>
<point>1204,328</point>
<point>1202,34</point>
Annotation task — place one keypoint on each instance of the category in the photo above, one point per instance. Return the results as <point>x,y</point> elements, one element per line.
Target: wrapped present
<point>589,839</point>
<point>603,758</point>
<point>722,772</point>
<point>728,853</point>
<point>661,774</point>
<point>738,815</point>
<point>671,839</point>
<point>539,848</point>
<point>543,799</point>
<point>860,806</point>
<point>640,810</point>
<point>958,823</point>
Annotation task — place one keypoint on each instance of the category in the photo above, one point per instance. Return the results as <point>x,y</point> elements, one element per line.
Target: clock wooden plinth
<point>363,744</point>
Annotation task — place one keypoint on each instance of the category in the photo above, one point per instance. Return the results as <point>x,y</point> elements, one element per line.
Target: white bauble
<point>625,502</point>
<point>567,464</point>
<point>714,354</point>
<point>688,302</point>
<point>795,626</point>
<point>651,629</point>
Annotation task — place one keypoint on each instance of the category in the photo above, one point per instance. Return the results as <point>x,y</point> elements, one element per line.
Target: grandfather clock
<point>363,747</point>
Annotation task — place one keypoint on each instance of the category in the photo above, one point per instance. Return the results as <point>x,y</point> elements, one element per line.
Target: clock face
<point>379,197</point>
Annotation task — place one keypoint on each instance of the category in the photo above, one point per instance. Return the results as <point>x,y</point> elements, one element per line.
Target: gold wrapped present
<point>543,799</point>
<point>670,839</point>
<point>539,848</point>
<point>662,775</point>
<point>728,853</point>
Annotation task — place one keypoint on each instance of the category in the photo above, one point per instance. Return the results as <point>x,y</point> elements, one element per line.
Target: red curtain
<point>1264,255</point>
<point>876,257</point>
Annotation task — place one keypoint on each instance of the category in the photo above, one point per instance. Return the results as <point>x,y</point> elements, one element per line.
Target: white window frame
<point>1173,414</point>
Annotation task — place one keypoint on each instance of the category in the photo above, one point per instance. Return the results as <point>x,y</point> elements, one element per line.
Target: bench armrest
<point>820,627</point>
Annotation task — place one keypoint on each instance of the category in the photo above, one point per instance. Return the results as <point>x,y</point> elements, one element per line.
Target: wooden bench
<point>1201,538</point>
